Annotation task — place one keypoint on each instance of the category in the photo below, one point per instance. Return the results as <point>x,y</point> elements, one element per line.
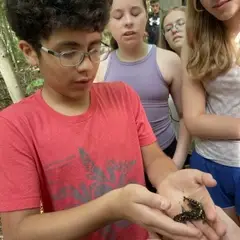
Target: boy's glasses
<point>74,58</point>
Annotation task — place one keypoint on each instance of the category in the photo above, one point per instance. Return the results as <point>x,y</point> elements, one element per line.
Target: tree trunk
<point>9,76</point>
<point>12,45</point>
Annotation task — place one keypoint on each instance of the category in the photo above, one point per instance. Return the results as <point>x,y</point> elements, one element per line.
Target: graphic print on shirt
<point>95,182</point>
<point>154,21</point>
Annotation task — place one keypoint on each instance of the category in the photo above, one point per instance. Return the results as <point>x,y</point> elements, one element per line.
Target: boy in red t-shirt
<point>81,148</point>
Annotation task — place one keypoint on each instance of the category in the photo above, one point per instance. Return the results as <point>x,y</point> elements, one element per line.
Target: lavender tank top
<point>145,77</point>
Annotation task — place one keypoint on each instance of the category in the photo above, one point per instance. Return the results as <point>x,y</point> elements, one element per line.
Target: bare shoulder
<point>166,55</point>
<point>169,64</point>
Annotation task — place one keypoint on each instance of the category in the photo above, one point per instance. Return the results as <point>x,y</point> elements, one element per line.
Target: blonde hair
<point>163,42</point>
<point>210,51</point>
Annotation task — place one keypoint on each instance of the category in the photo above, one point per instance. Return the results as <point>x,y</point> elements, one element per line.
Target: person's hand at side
<point>233,230</point>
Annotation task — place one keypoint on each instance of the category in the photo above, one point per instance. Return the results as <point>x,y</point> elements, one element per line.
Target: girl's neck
<point>233,29</point>
<point>136,53</point>
<point>178,51</point>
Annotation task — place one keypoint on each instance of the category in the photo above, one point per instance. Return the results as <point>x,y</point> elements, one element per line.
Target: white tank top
<point>223,98</point>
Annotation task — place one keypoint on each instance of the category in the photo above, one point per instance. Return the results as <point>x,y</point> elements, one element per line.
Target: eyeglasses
<point>178,24</point>
<point>74,58</point>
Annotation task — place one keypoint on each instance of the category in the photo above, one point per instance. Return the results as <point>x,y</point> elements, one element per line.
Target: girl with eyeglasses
<point>173,29</point>
<point>172,36</point>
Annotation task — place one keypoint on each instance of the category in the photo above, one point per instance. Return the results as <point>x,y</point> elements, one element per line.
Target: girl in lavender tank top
<point>212,82</point>
<point>152,72</point>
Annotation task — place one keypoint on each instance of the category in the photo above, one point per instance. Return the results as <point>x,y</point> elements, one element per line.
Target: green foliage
<point>34,86</point>
<point>25,73</point>
<point>26,76</point>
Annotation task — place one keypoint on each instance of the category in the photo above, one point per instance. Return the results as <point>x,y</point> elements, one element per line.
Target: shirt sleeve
<point>145,132</point>
<point>19,183</point>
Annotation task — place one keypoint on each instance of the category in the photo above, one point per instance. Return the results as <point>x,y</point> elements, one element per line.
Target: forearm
<point>183,145</point>
<point>70,224</point>
<point>233,231</point>
<point>209,126</point>
<point>160,168</point>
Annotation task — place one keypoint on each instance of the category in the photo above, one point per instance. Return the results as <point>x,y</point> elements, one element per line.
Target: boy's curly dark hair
<point>33,20</point>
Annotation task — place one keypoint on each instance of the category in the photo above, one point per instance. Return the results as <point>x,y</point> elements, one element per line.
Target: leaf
<point>109,232</point>
<point>60,194</point>
<point>123,224</point>
<point>102,189</point>
<point>86,161</point>
<point>80,195</point>
<point>106,230</point>
<point>85,191</point>
<point>34,85</point>
<point>94,172</point>
<point>76,194</point>
<point>111,173</point>
<point>122,179</point>
<point>100,176</point>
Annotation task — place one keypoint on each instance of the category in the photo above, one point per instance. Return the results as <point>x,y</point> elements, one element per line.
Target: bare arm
<point>63,225</point>
<point>157,164</point>
<point>233,230</point>
<point>132,202</point>
<point>173,73</point>
<point>183,145</point>
<point>198,122</point>
<point>184,138</point>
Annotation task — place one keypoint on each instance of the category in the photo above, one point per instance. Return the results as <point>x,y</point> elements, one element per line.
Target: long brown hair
<point>210,51</point>
<point>113,42</point>
<point>163,42</point>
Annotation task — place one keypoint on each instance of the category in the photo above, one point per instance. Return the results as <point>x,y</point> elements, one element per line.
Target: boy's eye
<point>70,54</point>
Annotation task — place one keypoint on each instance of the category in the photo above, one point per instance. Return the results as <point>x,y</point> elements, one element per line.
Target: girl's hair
<point>163,42</point>
<point>210,52</point>
<point>113,42</point>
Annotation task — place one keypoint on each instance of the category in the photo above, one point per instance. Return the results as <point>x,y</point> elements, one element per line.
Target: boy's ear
<point>29,53</point>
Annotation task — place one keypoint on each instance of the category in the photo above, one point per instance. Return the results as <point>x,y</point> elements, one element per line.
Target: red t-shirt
<point>67,161</point>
